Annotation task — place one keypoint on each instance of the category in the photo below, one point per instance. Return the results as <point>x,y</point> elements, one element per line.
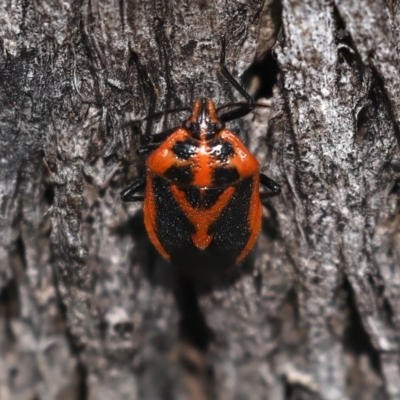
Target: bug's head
<point>203,123</point>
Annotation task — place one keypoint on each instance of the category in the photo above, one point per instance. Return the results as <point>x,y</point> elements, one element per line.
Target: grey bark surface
<point>86,306</point>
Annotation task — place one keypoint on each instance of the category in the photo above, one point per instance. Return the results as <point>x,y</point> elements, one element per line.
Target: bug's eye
<point>187,125</point>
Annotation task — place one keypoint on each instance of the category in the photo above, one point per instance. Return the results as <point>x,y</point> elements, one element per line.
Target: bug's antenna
<point>224,71</point>
<point>243,104</point>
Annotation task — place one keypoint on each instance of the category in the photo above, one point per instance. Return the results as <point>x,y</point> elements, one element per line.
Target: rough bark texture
<point>86,309</point>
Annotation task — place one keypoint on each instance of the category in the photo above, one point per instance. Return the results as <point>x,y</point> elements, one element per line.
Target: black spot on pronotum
<point>222,150</point>
<point>185,150</point>
<point>183,175</point>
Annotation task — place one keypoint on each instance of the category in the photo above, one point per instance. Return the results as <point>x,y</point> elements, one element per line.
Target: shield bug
<point>202,206</point>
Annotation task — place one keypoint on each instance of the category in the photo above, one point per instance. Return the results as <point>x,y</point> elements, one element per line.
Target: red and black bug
<point>202,206</point>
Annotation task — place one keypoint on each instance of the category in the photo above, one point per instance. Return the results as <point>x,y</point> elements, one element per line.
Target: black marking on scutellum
<point>225,176</point>
<point>175,230</point>
<point>227,237</point>
<point>202,197</point>
<point>211,195</point>
<point>193,195</point>
<point>173,227</point>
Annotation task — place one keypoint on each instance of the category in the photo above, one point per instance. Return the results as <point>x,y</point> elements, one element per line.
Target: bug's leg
<point>147,149</point>
<point>155,138</point>
<point>158,138</point>
<point>161,136</point>
<point>270,184</point>
<point>239,111</point>
<point>152,107</point>
<point>152,101</point>
<point>128,194</point>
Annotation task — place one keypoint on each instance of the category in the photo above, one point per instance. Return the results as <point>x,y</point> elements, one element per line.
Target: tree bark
<point>86,305</point>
